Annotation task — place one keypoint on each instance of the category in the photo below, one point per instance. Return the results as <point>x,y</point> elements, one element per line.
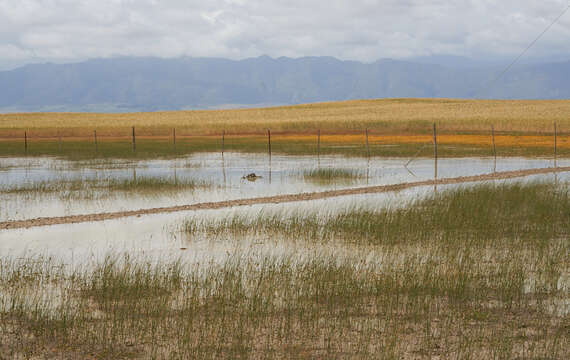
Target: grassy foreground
<point>476,273</point>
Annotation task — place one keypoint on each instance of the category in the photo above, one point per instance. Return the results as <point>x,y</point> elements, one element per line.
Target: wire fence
<point>368,142</point>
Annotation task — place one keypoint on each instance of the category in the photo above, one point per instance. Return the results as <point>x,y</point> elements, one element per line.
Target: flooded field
<point>409,274</point>
<point>39,187</point>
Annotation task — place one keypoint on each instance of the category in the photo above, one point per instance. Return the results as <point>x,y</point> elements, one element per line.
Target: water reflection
<point>163,235</point>
<point>278,175</point>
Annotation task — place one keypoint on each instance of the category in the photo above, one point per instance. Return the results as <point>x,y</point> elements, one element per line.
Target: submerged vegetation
<point>332,175</point>
<point>468,273</point>
<point>90,187</point>
<point>483,215</point>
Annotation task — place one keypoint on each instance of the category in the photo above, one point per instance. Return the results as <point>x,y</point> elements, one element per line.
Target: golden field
<point>386,116</point>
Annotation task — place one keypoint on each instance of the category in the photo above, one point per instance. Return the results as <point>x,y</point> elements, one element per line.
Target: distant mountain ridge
<point>149,84</point>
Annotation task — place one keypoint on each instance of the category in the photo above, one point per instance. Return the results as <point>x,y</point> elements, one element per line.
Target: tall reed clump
<point>492,285</point>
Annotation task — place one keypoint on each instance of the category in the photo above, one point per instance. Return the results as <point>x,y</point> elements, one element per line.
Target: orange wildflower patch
<point>480,140</point>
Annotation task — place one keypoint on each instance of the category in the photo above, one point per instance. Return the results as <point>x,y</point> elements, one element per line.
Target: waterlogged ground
<point>161,234</point>
<point>462,272</point>
<point>41,187</point>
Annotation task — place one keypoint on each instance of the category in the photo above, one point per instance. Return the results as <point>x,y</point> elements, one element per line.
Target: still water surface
<point>161,234</point>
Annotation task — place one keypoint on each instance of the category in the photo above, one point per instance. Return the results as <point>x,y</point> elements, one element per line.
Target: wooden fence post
<point>95,139</point>
<point>26,142</point>
<point>269,141</point>
<point>223,141</point>
<point>367,144</point>
<point>435,150</point>
<point>319,143</point>
<point>134,141</point>
<point>555,151</point>
<point>494,147</point>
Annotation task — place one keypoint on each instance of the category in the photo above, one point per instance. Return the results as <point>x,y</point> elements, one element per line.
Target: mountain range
<point>151,84</point>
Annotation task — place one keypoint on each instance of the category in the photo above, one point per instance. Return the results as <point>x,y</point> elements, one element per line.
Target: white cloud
<point>349,29</point>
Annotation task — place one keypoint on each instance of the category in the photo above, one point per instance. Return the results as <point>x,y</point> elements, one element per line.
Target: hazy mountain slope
<point>153,84</point>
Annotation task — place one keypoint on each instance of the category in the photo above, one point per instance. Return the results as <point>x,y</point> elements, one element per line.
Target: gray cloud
<point>366,30</point>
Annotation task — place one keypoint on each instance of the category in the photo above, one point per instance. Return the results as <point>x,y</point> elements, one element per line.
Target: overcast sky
<point>365,30</point>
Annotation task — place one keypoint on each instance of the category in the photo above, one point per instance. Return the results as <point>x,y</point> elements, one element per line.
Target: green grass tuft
<point>332,175</point>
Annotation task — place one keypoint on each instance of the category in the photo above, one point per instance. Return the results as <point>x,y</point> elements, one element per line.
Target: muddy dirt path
<point>277,199</point>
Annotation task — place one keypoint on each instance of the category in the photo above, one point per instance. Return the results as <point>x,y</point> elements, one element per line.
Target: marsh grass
<point>446,277</point>
<point>332,175</point>
<point>484,215</point>
<point>260,307</point>
<point>89,188</point>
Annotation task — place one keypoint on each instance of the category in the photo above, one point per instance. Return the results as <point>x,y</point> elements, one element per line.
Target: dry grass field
<point>390,116</point>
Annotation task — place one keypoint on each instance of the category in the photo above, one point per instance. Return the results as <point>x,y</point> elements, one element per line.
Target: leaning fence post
<point>95,138</point>
<point>269,141</point>
<point>435,150</point>
<point>134,141</point>
<point>367,144</point>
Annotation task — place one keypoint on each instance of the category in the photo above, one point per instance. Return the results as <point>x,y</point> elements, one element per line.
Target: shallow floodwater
<point>278,175</point>
<point>162,235</point>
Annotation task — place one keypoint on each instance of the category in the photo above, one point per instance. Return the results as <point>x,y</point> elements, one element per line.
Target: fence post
<point>269,141</point>
<point>319,143</point>
<point>435,150</point>
<point>367,144</point>
<point>494,147</point>
<point>134,141</point>
<point>95,137</point>
<point>555,151</point>
<point>26,142</point>
<point>223,141</point>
